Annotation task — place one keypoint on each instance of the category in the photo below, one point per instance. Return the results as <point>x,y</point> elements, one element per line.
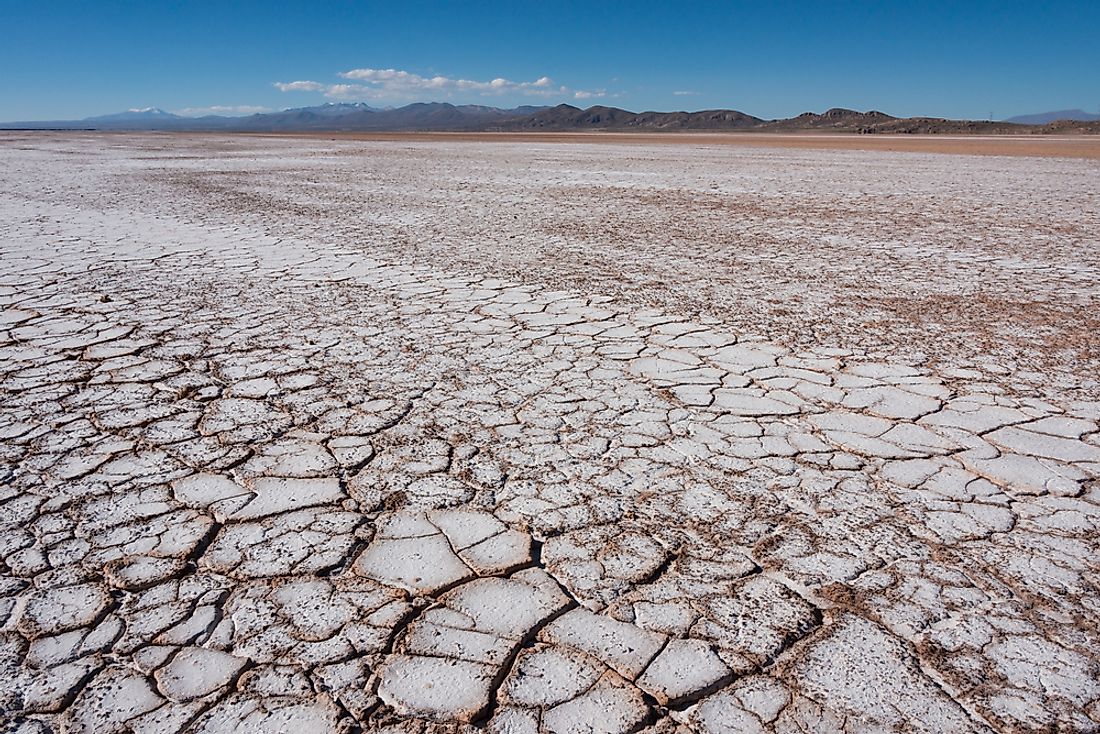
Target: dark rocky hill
<point>568,117</point>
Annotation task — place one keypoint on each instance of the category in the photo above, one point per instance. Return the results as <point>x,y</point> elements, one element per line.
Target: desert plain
<point>561,434</point>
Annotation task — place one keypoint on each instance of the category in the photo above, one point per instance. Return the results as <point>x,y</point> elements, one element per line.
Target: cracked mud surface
<point>342,436</point>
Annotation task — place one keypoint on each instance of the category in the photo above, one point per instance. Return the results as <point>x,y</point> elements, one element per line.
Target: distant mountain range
<point>441,116</point>
<point>1042,118</point>
<point>327,117</point>
<point>149,114</point>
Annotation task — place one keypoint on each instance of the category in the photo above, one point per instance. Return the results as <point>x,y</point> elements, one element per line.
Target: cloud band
<point>398,84</point>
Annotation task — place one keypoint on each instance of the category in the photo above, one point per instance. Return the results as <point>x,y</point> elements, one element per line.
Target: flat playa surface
<point>1042,146</point>
<point>528,435</point>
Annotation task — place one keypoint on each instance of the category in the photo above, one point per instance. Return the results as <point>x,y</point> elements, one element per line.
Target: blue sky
<point>61,60</point>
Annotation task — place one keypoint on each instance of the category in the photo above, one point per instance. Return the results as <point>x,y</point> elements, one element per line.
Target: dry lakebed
<point>454,434</point>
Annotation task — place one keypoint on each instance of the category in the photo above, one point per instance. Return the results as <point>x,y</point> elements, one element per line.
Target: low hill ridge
<point>444,116</point>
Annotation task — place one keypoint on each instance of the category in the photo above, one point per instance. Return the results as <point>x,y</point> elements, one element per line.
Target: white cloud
<point>377,84</point>
<point>300,86</point>
<point>686,94</point>
<point>231,110</point>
